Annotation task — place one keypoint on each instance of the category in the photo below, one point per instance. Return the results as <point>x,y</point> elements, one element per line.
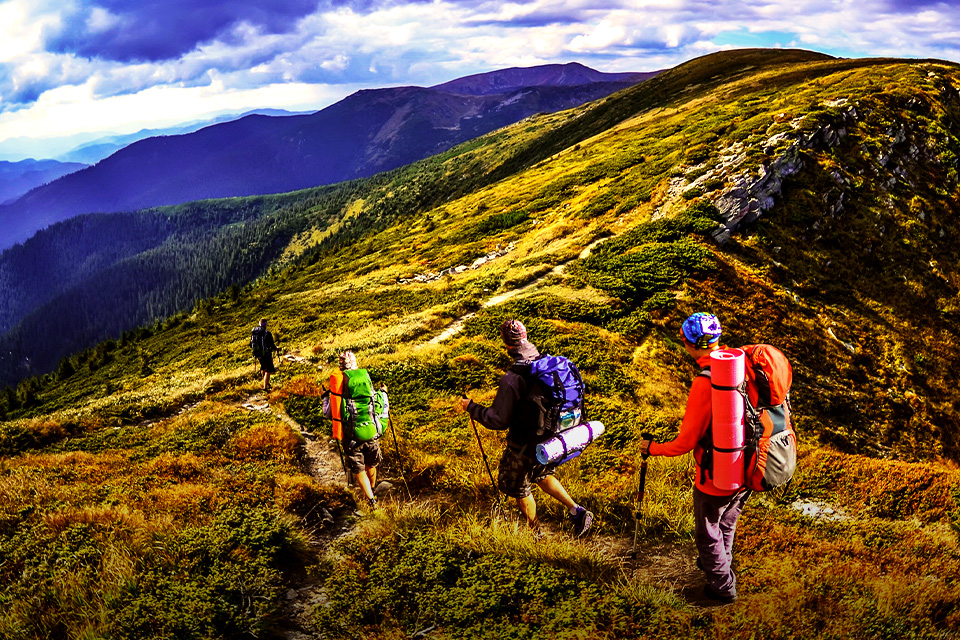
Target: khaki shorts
<point>365,454</point>
<point>518,471</point>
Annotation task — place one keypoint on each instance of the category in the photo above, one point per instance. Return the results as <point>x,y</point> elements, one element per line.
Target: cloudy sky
<point>120,65</point>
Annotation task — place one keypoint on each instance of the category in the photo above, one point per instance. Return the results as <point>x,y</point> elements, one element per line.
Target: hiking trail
<point>457,325</point>
<point>666,565</point>
<point>322,461</point>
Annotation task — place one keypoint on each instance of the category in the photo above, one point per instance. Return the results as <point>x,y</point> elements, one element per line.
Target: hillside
<point>366,133</point>
<point>809,202</point>
<point>147,265</point>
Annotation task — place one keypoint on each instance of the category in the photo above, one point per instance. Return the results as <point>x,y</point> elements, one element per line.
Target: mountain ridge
<point>17,178</point>
<point>355,137</point>
<point>572,73</point>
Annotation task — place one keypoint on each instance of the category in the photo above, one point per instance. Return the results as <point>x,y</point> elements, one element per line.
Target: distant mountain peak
<point>548,75</point>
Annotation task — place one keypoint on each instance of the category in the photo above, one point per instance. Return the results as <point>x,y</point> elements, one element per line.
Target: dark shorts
<point>518,471</point>
<point>266,365</point>
<point>365,454</point>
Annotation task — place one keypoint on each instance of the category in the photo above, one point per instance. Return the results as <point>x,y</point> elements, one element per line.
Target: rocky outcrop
<point>749,190</point>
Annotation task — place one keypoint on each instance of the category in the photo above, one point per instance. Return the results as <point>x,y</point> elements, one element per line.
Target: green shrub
<point>422,578</point>
<point>213,580</point>
<point>492,225</point>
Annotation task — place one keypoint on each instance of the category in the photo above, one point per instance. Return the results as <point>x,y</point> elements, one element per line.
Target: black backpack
<point>555,386</point>
<point>257,342</point>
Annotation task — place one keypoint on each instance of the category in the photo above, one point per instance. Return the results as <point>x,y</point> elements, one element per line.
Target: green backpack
<point>363,408</point>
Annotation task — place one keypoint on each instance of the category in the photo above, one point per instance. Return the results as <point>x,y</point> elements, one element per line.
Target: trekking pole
<point>486,463</point>
<point>640,491</point>
<point>396,446</point>
<point>343,463</point>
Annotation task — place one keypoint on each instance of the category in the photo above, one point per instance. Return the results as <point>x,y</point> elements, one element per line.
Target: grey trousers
<point>715,526</point>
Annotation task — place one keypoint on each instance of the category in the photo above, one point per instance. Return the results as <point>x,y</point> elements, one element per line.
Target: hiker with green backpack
<point>357,411</point>
<point>764,458</point>
<point>519,410</point>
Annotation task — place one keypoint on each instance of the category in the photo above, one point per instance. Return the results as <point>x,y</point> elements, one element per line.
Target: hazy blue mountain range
<point>17,178</point>
<point>88,147</point>
<point>367,132</point>
<point>96,150</point>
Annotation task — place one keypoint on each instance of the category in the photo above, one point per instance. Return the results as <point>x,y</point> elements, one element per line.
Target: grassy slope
<point>98,490</point>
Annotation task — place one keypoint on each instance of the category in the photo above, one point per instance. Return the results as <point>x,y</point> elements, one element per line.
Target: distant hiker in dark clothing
<point>715,510</point>
<point>261,341</point>
<point>513,411</point>
<point>357,412</point>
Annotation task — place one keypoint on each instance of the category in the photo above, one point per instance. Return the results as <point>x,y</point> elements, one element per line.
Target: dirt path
<point>322,462</point>
<point>666,565</point>
<point>457,325</point>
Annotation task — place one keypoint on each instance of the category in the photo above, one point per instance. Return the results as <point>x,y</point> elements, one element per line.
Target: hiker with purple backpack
<point>516,411</point>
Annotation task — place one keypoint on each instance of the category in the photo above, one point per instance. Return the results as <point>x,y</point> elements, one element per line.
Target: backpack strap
<point>706,442</point>
<point>583,392</point>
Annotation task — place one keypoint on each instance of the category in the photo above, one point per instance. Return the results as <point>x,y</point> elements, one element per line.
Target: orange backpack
<point>770,443</point>
<point>336,405</point>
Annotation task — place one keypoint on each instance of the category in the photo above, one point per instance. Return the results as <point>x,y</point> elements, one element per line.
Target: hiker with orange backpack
<point>715,510</point>
<point>357,411</point>
<point>515,411</point>
<point>765,456</point>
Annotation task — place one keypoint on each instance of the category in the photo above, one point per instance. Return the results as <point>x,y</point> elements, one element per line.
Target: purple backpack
<point>554,384</point>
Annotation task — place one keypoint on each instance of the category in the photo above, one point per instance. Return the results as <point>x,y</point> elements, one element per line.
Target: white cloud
<point>420,43</point>
<point>604,35</point>
<point>20,30</point>
<point>58,110</point>
<point>339,63</point>
<point>101,20</point>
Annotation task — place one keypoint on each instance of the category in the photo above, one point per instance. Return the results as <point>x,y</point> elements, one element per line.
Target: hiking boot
<point>373,504</point>
<point>710,594</point>
<point>582,520</point>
